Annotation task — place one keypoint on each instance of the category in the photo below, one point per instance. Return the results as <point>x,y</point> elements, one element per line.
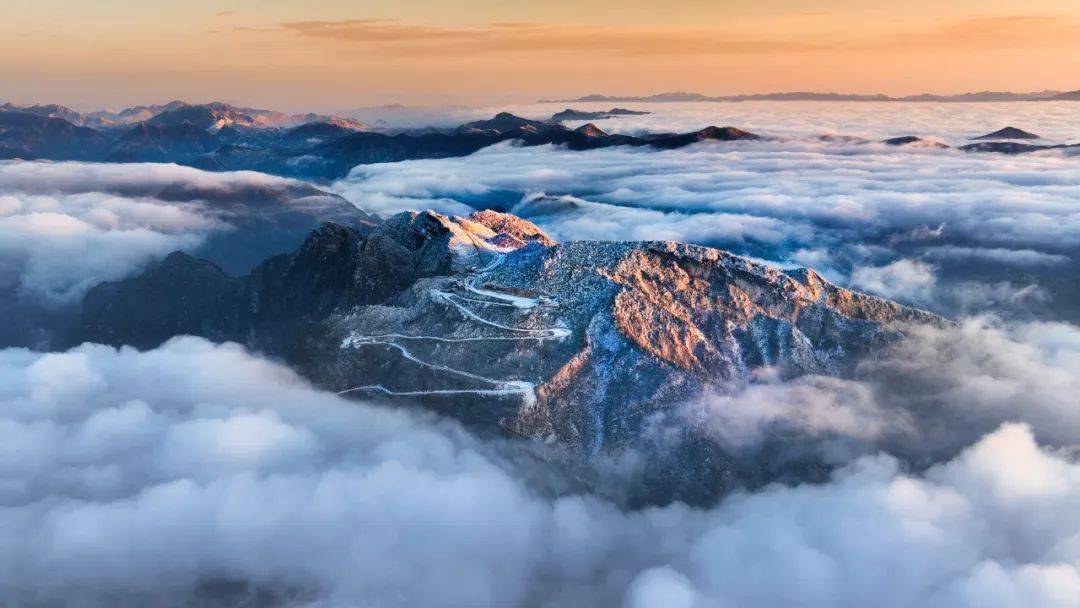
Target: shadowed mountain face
<point>585,344</point>
<point>33,136</point>
<point>235,221</point>
<point>1008,133</point>
<point>204,116</point>
<point>335,158</point>
<point>52,110</point>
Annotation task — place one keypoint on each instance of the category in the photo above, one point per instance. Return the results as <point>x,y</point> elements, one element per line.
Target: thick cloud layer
<point>55,247</point>
<point>65,227</point>
<point>923,399</point>
<point>200,474</point>
<point>953,231</point>
<point>953,122</point>
<point>130,179</point>
<point>184,473</point>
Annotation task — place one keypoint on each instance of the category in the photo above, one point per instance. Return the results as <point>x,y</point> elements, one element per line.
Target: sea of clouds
<point>163,476</point>
<point>203,474</point>
<point>955,232</point>
<point>65,227</point>
<point>953,123</point>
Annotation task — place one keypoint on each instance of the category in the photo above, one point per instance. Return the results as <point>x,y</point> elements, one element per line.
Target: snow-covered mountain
<point>485,318</point>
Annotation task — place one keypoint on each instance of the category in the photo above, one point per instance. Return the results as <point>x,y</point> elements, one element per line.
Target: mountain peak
<point>1008,133</point>
<point>590,130</point>
<point>724,133</point>
<point>509,224</point>
<point>504,123</point>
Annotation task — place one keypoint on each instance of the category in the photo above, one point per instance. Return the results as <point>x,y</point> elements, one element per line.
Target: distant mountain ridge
<point>220,137</point>
<point>682,96</point>
<point>206,115</point>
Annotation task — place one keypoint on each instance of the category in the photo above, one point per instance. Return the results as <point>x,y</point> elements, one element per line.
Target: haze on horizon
<point>334,54</point>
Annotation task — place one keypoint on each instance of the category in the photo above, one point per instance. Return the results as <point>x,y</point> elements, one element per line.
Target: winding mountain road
<point>480,296</point>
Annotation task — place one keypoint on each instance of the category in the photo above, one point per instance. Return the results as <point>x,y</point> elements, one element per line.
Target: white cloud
<point>926,396</point>
<point>1018,257</point>
<point>133,477</point>
<point>951,122</point>
<point>813,406</point>
<point>822,190</point>
<point>57,248</point>
<point>987,219</point>
<point>905,280</point>
<point>129,179</point>
<point>65,227</point>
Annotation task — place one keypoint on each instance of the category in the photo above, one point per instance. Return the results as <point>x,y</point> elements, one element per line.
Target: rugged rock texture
<point>336,269</point>
<point>585,344</point>
<point>511,225</point>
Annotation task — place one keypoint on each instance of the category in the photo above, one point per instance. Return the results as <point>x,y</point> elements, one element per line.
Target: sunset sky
<point>335,54</point>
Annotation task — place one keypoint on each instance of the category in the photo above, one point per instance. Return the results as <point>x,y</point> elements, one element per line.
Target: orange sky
<point>336,54</point>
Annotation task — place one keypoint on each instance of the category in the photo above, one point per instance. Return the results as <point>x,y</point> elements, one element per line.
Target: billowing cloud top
<point>887,219</point>
<point>160,476</point>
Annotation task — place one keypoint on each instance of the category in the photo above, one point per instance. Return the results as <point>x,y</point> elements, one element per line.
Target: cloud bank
<point>953,123</point>
<point>198,474</point>
<point>923,399</point>
<point>65,227</point>
<point>959,233</point>
<point>55,247</point>
<point>195,471</point>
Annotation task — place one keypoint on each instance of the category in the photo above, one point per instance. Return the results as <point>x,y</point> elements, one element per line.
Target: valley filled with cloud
<point>942,471</point>
<point>951,231</point>
<point>65,227</point>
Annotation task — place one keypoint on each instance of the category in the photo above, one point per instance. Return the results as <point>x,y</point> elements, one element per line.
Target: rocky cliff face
<point>485,318</point>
